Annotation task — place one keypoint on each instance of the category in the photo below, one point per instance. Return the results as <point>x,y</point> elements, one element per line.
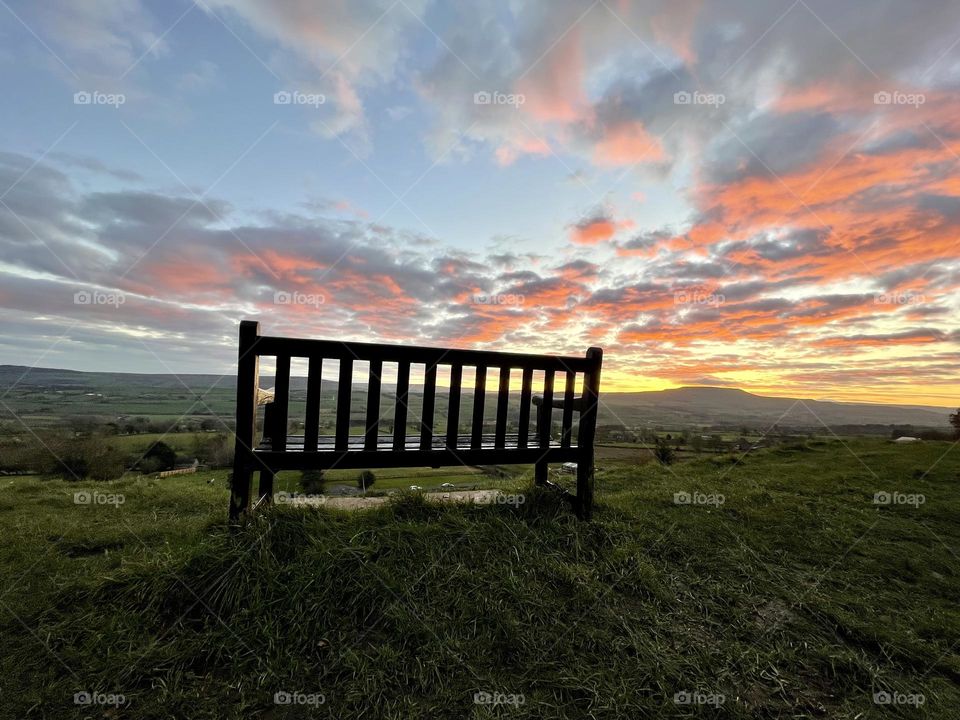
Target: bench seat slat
<point>385,443</point>
<point>438,457</point>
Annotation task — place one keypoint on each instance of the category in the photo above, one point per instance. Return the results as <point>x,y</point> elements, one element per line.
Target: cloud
<point>94,166</point>
<point>779,212</point>
<point>341,50</point>
<point>597,227</point>
<point>101,40</point>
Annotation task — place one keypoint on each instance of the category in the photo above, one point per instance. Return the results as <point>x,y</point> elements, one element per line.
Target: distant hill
<point>728,406</point>
<point>680,406</point>
<point>56,379</point>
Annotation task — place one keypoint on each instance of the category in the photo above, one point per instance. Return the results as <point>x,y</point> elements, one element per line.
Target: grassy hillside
<point>795,597</point>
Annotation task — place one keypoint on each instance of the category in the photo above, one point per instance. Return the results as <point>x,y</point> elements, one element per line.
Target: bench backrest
<point>575,371</point>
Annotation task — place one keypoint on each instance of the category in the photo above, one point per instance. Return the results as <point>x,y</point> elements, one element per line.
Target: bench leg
<point>584,490</point>
<point>240,490</point>
<point>265,489</point>
<point>541,472</point>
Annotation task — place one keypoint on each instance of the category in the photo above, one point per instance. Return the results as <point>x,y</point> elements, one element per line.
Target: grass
<point>394,478</point>
<point>795,597</point>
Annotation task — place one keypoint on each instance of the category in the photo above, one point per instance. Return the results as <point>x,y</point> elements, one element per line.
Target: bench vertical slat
<point>503,398</point>
<point>544,417</point>
<point>344,396</point>
<point>275,421</point>
<point>400,410</point>
<point>281,404</point>
<point>453,406</point>
<point>311,426</point>
<point>526,390</point>
<point>479,398</point>
<point>544,421</point>
<point>372,432</point>
<point>568,409</point>
<point>429,400</point>
<point>590,401</point>
<point>248,377</point>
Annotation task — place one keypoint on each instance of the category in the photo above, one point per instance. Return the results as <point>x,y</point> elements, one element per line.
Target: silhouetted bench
<point>423,447</point>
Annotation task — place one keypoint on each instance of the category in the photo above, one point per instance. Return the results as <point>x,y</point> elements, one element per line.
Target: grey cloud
<point>92,164</point>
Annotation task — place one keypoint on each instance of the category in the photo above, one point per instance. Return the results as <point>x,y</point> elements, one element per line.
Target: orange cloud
<point>553,89</point>
<point>593,232</point>
<point>627,144</point>
<point>508,153</point>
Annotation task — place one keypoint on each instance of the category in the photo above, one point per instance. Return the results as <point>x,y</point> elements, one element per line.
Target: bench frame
<point>540,449</point>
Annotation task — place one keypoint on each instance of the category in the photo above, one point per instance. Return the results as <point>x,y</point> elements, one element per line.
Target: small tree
<point>312,482</point>
<point>106,462</point>
<point>72,464</point>
<point>663,452</point>
<point>366,480</point>
<point>955,422</point>
<point>159,457</point>
<point>213,449</point>
<point>89,457</point>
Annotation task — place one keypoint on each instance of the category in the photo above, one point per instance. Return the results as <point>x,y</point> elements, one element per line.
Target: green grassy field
<point>796,596</point>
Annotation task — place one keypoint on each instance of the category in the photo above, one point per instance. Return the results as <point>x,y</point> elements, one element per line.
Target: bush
<point>663,452</point>
<point>366,480</point>
<point>18,456</point>
<point>312,482</point>
<point>149,466</point>
<point>79,458</point>
<point>107,464</point>
<point>159,457</point>
<point>72,465</point>
<point>214,451</point>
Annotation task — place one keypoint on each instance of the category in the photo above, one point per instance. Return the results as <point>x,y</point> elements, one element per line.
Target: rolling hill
<point>58,391</point>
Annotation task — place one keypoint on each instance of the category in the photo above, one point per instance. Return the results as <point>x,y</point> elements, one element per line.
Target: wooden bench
<point>424,447</point>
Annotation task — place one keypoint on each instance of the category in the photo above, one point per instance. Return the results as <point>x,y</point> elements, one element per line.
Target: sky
<point>763,195</point>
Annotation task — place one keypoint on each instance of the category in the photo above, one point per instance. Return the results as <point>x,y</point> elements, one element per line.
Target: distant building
<point>907,439</point>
